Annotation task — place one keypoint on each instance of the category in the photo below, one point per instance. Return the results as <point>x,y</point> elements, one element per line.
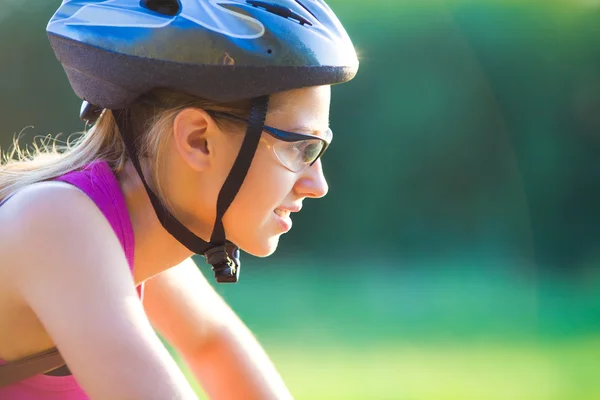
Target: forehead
<point>303,110</point>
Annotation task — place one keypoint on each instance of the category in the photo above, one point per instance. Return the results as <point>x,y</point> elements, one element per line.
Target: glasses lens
<point>297,155</point>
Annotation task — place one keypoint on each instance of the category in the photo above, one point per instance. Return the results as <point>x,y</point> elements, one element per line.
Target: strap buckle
<point>225,261</point>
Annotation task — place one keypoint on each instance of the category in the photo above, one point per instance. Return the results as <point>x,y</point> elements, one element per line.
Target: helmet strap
<point>239,170</point>
<point>220,253</point>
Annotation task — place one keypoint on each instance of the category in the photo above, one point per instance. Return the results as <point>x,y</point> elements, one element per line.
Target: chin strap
<point>223,255</point>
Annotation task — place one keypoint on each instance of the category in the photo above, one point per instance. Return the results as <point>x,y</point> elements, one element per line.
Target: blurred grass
<point>565,370</point>
<point>427,332</point>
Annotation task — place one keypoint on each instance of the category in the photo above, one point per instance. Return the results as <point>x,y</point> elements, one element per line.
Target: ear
<point>192,129</point>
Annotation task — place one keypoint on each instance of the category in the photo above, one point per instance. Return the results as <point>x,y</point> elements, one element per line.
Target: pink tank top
<point>98,181</point>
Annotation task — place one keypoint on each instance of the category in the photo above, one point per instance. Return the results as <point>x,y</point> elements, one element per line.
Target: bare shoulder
<point>46,221</point>
<point>43,202</point>
<point>67,265</point>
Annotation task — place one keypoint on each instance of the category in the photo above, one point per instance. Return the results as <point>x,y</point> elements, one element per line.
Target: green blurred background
<point>457,254</point>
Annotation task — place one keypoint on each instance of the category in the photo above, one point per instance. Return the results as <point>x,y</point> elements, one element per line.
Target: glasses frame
<point>282,135</point>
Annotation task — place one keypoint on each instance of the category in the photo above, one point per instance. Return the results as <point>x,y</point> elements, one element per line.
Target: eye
<point>309,150</point>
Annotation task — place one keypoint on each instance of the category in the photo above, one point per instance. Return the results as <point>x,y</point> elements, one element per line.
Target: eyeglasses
<point>295,151</point>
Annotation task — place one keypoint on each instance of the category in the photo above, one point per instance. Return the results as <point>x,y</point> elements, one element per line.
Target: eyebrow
<point>303,128</point>
<point>309,130</point>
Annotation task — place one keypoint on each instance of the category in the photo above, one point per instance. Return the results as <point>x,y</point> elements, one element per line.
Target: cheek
<point>266,186</point>
<point>250,222</point>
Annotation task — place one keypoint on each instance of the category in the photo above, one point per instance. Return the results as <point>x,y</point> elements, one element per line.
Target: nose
<point>312,182</point>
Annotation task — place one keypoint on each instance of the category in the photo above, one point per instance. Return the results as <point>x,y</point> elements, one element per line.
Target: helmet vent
<point>280,10</point>
<point>164,7</point>
<point>307,10</point>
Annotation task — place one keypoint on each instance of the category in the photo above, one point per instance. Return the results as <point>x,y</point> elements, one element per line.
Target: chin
<point>262,248</point>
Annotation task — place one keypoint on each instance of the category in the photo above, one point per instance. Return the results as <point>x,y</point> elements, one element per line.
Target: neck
<point>155,249</point>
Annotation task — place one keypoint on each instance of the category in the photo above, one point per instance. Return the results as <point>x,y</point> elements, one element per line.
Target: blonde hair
<point>152,118</point>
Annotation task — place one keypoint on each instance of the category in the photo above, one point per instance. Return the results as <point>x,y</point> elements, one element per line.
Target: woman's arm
<point>222,353</point>
<point>71,271</point>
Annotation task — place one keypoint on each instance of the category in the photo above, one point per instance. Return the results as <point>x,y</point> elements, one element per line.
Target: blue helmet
<point>115,51</point>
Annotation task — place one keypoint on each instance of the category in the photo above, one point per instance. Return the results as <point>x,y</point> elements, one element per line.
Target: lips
<point>282,213</point>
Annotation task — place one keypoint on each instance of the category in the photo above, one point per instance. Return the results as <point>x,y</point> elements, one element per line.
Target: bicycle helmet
<point>114,51</point>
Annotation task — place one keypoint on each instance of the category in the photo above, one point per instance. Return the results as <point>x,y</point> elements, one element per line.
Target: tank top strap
<point>98,181</point>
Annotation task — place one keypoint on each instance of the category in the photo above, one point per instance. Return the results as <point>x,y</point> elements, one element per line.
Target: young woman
<point>208,120</point>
